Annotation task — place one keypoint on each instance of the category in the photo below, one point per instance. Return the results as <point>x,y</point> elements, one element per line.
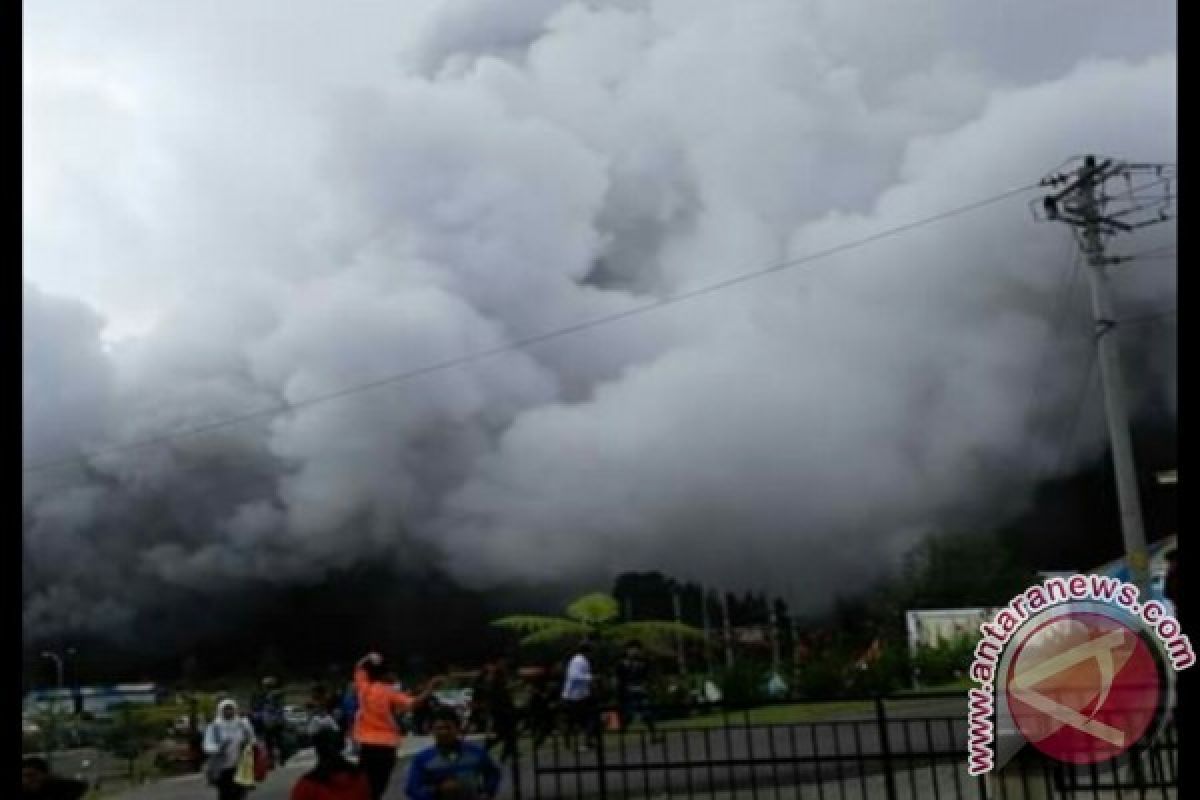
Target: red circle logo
<point>1083,687</point>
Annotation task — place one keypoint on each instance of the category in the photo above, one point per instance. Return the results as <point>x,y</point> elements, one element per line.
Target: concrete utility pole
<point>1093,213</point>
<point>774,623</point>
<point>679,639</point>
<point>58,666</point>
<point>793,657</point>
<point>728,631</point>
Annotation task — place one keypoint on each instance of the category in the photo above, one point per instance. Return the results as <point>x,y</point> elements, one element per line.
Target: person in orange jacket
<point>375,728</point>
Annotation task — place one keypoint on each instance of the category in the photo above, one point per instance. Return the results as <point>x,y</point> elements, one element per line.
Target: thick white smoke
<point>225,211</point>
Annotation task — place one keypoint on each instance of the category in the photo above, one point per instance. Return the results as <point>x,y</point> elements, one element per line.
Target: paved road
<point>720,759</point>
<point>278,785</point>
<point>636,767</point>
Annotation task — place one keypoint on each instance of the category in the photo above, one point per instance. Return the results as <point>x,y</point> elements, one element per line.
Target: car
<point>417,721</point>
<point>295,716</point>
<point>457,699</point>
<point>182,725</point>
<point>176,755</point>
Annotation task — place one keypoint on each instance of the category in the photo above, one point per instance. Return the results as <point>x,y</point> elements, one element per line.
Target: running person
<point>503,712</point>
<point>321,713</point>
<point>452,769</point>
<point>375,729</point>
<point>225,740</point>
<point>266,714</point>
<point>577,697</point>
<point>333,778</point>
<point>633,693</point>
<point>539,713</point>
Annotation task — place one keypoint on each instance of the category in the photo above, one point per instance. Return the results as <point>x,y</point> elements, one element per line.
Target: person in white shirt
<point>577,697</point>
<point>225,740</point>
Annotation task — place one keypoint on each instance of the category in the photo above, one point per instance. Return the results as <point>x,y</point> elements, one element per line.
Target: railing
<point>884,747</point>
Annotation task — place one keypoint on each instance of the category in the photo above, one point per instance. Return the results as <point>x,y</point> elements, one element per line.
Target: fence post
<point>885,748</point>
<point>1012,779</point>
<point>600,771</point>
<point>516,770</point>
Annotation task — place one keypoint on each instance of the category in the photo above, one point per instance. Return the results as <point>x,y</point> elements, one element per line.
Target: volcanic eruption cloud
<point>231,207</point>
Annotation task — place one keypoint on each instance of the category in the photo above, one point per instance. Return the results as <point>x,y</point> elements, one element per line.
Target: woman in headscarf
<point>225,740</point>
<point>334,778</point>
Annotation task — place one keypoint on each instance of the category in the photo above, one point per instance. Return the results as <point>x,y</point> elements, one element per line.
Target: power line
<point>520,344</point>
<point>1094,216</point>
<point>1080,404</point>
<point>1157,253</point>
<point>1065,293</point>
<point>1149,319</point>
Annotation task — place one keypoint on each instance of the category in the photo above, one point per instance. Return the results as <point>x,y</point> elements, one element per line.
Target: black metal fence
<point>884,747</point>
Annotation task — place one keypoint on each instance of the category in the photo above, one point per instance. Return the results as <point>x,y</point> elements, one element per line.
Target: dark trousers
<point>227,789</point>
<point>636,705</point>
<point>377,761</point>
<point>504,731</point>
<point>583,717</point>
<point>273,740</point>
<point>540,724</point>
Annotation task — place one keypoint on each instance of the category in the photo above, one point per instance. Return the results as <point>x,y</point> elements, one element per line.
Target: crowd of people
<point>355,734</point>
<point>373,715</point>
<point>568,699</point>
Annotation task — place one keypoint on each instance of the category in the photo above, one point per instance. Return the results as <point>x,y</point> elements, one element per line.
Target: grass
<point>950,686</point>
<point>774,715</point>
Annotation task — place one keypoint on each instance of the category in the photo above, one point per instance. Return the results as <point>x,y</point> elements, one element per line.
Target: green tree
<point>597,615</point>
<point>946,662</point>
<point>943,572</point>
<point>744,685</point>
<point>131,735</point>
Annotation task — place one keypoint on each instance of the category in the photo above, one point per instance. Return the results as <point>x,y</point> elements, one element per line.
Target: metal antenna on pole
<point>1095,213</point>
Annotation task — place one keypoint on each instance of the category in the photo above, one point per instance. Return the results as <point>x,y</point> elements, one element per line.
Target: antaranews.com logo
<point>1078,668</point>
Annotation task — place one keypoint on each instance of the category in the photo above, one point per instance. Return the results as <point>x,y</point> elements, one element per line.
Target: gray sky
<point>230,205</point>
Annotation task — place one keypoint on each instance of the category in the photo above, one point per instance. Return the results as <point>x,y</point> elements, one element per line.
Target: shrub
<point>822,676</point>
<point>884,675</point>
<point>744,685</point>
<point>944,663</point>
<point>130,735</point>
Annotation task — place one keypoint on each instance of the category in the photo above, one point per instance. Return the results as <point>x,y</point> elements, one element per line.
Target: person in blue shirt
<point>266,714</point>
<point>347,711</point>
<point>452,769</point>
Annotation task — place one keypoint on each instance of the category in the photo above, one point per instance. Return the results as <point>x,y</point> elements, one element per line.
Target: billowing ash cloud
<point>225,213</point>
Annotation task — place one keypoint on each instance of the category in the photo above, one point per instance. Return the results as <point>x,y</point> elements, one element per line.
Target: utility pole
<point>1094,213</point>
<point>53,734</point>
<point>58,666</point>
<point>704,623</point>
<point>793,658</point>
<point>679,639</point>
<point>774,623</point>
<point>728,631</point>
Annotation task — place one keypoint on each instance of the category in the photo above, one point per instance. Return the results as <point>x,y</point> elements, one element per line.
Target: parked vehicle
<point>175,755</point>
<point>457,699</point>
<point>295,717</point>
